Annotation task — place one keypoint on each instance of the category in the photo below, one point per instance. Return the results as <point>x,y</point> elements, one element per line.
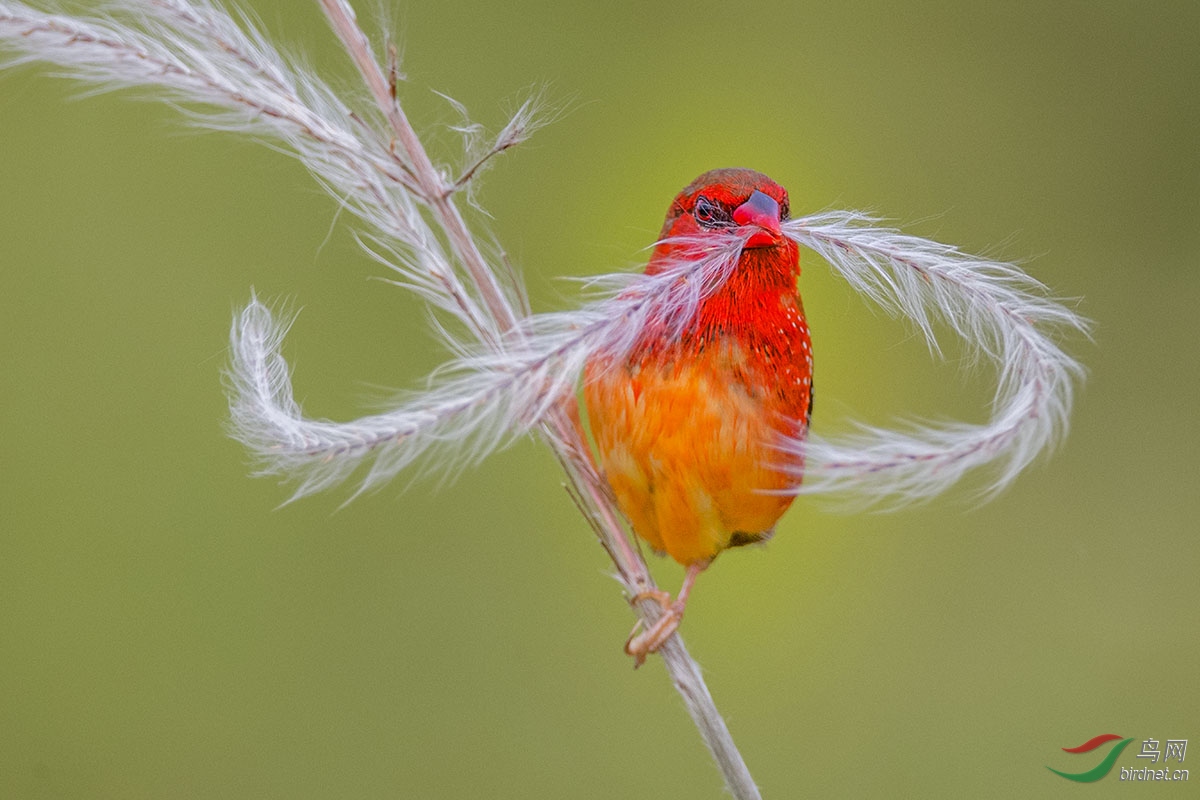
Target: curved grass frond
<point>476,403</point>
<point>1001,313</point>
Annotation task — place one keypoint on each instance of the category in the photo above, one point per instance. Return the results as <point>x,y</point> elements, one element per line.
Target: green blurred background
<point>167,631</point>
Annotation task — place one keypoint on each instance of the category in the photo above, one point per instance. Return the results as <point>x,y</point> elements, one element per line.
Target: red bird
<point>685,424</point>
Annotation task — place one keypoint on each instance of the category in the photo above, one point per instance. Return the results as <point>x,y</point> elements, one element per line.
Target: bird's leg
<point>648,641</point>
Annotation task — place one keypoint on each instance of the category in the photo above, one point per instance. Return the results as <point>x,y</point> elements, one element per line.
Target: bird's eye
<point>710,214</point>
<point>785,211</point>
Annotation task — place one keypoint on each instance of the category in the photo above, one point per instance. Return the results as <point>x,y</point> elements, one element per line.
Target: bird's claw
<point>642,643</point>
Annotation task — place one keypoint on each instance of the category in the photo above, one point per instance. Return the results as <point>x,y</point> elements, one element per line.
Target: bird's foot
<point>642,643</point>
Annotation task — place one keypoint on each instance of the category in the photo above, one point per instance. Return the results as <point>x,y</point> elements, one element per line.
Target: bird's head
<point>735,201</point>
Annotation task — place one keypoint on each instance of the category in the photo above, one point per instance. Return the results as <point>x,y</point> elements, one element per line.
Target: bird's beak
<point>761,211</point>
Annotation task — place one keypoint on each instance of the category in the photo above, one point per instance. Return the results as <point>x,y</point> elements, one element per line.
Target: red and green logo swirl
<point>1104,767</point>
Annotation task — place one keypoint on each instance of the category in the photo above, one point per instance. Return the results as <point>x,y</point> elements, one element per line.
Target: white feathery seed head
<point>475,403</point>
<point>225,75</point>
<point>1002,314</point>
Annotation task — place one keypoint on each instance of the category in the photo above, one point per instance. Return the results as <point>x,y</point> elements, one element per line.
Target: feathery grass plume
<point>479,152</point>
<point>227,76</point>
<point>475,403</point>
<point>1001,313</point>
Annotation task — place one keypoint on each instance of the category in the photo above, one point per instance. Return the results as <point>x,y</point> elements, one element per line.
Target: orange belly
<point>685,444</point>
